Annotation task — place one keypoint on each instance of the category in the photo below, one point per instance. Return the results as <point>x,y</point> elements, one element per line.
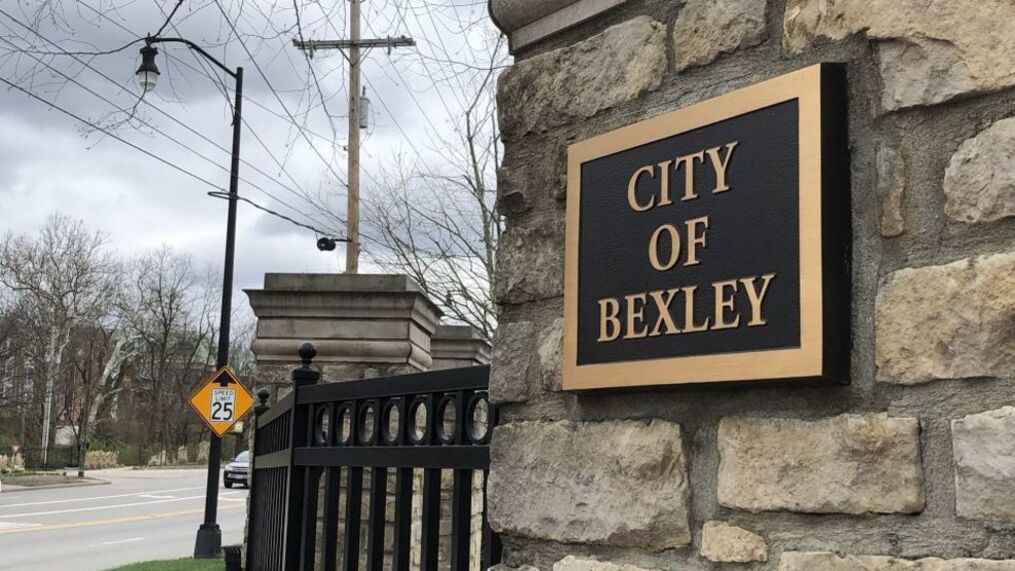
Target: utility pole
<point>352,246</point>
<point>353,44</point>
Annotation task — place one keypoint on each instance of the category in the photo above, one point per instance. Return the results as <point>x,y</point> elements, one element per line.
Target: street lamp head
<point>148,74</point>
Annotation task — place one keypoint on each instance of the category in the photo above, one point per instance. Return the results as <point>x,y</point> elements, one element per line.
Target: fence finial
<point>263,394</point>
<point>305,374</point>
<point>307,353</point>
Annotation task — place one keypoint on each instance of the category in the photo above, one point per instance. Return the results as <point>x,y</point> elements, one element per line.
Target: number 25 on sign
<point>221,401</point>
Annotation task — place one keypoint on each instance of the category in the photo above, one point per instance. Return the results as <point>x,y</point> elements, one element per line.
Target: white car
<point>238,471</point>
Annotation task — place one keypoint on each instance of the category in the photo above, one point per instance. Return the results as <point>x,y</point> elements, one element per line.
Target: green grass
<point>186,564</point>
<point>34,479</point>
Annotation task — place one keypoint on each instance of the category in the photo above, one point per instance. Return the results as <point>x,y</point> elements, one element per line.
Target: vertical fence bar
<point>353,505</point>
<point>281,480</point>
<point>403,519</point>
<point>309,540</point>
<point>254,538</point>
<point>431,519</point>
<point>461,520</point>
<point>378,503</point>
<point>330,548</point>
<point>300,434</point>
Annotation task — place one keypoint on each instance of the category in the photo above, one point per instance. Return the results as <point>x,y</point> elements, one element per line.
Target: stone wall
<point>909,467</point>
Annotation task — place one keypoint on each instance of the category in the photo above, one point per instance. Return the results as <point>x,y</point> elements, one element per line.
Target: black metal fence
<point>337,468</point>
<point>55,458</point>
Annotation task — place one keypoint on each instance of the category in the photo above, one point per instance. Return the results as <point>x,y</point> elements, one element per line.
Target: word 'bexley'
<point>736,302</point>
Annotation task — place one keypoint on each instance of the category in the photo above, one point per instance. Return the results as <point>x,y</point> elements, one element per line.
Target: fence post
<point>295,486</point>
<point>261,408</point>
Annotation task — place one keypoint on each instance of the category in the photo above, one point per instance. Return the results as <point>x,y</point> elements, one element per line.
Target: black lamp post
<point>209,535</point>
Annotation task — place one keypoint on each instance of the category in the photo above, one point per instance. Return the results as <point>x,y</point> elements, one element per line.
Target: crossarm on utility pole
<point>353,44</point>
<point>312,45</point>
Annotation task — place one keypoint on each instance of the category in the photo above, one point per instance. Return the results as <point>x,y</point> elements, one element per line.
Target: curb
<point>9,488</point>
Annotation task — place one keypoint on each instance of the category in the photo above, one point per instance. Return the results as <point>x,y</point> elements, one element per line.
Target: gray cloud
<point>49,164</point>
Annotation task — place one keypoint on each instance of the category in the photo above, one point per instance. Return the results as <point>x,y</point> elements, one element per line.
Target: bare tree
<point>100,353</point>
<point>173,320</point>
<point>435,218</point>
<point>63,276</point>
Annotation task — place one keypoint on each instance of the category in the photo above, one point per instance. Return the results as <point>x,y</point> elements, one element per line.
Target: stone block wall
<point>909,467</point>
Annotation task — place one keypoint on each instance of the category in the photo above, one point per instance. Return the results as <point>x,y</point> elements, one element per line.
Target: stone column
<point>912,465</point>
<point>454,346</point>
<point>364,326</point>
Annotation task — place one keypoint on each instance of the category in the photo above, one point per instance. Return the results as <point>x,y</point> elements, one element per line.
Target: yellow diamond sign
<point>221,401</point>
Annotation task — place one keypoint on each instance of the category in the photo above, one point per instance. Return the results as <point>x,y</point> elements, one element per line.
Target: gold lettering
<point>662,300</point>
<point>653,248</point>
<point>632,189</point>
<point>756,298</point>
<point>724,304</point>
<point>694,239</point>
<point>609,324</point>
<point>664,183</point>
<point>689,326</point>
<point>720,166</point>
<point>688,162</point>
<point>635,315</point>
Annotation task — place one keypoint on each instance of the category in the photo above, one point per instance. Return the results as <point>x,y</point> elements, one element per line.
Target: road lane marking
<point>3,505</point>
<point>112,521</point>
<point>157,497</point>
<point>116,541</point>
<point>16,525</point>
<point>114,506</point>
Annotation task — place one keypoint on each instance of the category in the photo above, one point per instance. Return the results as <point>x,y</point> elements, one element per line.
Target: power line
<point>318,231</point>
<point>291,119</point>
<point>184,125</point>
<point>271,88</point>
<point>219,192</point>
<point>169,18</point>
<point>170,137</point>
<point>303,194</point>
<point>353,44</point>
<point>109,133</point>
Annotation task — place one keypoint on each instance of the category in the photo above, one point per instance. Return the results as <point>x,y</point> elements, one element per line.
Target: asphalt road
<point>141,515</point>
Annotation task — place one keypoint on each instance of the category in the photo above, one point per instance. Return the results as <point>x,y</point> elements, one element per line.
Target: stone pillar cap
<point>309,296</point>
<point>527,21</point>
<point>373,283</point>
<point>445,331</point>
<point>351,318</point>
<point>458,346</point>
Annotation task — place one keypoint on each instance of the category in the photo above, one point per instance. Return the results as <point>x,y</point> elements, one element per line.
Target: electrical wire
<point>156,129</point>
<point>227,196</point>
<point>303,194</point>
<point>109,133</point>
<point>302,130</point>
<point>275,93</point>
<point>219,191</point>
<point>169,18</point>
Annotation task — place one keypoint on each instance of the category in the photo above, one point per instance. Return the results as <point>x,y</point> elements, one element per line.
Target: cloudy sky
<point>49,162</point>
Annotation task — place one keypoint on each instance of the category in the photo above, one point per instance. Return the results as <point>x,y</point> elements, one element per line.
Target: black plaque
<point>711,244</point>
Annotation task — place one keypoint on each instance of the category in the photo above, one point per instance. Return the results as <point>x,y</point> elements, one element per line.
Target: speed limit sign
<point>221,401</point>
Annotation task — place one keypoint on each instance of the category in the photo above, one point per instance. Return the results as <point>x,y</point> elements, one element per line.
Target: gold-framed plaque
<point>711,244</point>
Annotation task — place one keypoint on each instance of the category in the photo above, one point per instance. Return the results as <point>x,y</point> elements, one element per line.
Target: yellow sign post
<point>221,401</point>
